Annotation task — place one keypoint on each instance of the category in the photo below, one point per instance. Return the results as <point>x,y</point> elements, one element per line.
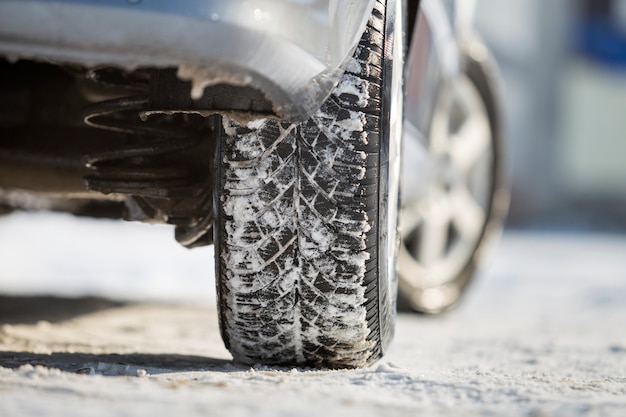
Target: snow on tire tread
<point>294,251</point>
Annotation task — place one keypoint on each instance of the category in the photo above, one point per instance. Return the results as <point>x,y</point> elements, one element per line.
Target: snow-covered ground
<point>542,333</point>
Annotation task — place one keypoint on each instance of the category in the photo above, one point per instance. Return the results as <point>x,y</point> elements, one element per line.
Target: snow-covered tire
<point>306,220</point>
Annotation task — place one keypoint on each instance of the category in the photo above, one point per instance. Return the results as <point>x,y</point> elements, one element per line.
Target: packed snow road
<point>540,334</point>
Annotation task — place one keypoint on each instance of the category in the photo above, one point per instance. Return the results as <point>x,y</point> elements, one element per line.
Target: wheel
<point>446,220</point>
<point>307,217</point>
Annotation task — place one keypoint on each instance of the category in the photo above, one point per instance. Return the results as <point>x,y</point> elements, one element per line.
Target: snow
<point>540,334</point>
<point>354,86</point>
<point>114,259</point>
<point>256,124</point>
<point>354,66</point>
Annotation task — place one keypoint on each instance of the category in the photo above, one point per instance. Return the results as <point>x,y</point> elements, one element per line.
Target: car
<point>274,130</point>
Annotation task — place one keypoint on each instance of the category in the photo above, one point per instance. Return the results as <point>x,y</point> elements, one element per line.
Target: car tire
<point>438,285</point>
<point>306,219</point>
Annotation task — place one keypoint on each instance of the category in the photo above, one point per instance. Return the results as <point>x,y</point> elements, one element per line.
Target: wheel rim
<point>392,114</point>
<point>444,215</point>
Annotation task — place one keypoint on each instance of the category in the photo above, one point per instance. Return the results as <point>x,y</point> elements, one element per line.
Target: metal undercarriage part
<point>114,143</point>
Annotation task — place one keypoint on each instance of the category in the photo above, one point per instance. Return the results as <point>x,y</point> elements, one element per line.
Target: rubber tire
<point>298,267</point>
<point>482,73</point>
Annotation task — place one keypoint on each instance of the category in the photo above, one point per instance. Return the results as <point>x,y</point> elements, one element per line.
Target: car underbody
<point>106,142</point>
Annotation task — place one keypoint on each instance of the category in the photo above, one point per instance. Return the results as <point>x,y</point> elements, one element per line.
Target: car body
<point>237,41</point>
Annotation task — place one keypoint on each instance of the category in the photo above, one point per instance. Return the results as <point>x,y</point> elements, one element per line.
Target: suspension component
<point>164,165</point>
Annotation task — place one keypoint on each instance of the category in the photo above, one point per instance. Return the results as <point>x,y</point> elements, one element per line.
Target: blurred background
<point>563,66</point>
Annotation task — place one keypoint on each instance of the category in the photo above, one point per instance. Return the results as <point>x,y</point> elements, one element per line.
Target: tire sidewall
<point>391,125</point>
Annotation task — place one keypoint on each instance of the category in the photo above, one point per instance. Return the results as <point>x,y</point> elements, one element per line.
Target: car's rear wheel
<point>306,219</point>
<point>462,197</point>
